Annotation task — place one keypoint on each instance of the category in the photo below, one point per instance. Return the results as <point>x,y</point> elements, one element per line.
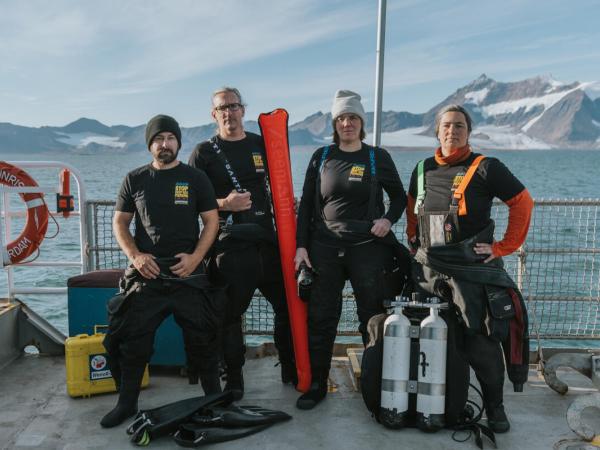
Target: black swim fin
<point>238,416</point>
<point>195,435</point>
<point>152,423</point>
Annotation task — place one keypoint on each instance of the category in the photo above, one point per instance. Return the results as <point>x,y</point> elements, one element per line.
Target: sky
<point>121,62</point>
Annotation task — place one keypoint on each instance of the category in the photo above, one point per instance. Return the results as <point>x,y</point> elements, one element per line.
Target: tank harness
<point>36,223</point>
<point>460,413</point>
<point>441,227</point>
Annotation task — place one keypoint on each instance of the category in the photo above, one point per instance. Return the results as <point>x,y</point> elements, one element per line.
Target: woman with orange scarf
<point>449,216</point>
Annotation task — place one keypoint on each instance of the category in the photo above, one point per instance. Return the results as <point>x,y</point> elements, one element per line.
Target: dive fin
<point>152,423</point>
<point>195,435</point>
<point>238,416</point>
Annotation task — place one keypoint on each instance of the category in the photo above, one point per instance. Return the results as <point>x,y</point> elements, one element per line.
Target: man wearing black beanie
<point>162,123</point>
<point>166,275</point>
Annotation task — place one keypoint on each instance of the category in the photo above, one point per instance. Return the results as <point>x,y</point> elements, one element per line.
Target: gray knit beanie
<point>159,124</point>
<point>347,102</point>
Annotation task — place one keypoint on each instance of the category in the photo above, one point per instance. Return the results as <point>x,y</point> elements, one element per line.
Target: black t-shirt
<point>492,179</point>
<point>247,158</point>
<point>345,188</point>
<point>166,204</point>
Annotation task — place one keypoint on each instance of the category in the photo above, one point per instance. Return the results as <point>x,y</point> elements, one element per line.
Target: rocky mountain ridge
<point>537,112</point>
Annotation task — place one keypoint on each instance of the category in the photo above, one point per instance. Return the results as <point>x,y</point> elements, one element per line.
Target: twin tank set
<point>425,346</point>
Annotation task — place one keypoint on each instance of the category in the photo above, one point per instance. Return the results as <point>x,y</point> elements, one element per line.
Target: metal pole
<point>379,73</point>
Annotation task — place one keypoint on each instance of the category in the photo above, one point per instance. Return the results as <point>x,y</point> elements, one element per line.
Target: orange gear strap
<point>459,193</point>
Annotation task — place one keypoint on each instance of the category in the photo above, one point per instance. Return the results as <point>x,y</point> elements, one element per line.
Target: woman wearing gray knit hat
<point>344,232</point>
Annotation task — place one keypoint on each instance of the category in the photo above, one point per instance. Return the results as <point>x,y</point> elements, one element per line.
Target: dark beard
<point>166,156</point>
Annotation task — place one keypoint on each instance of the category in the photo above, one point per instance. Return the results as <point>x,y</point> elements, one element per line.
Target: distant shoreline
<point>392,149</point>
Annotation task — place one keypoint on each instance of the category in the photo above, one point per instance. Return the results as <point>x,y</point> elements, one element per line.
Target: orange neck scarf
<point>457,155</point>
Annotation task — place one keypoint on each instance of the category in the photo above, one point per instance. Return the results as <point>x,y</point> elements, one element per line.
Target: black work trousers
<point>364,265</point>
<point>244,269</point>
<point>129,341</point>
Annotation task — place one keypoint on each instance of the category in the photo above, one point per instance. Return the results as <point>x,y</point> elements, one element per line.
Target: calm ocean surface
<point>548,174</point>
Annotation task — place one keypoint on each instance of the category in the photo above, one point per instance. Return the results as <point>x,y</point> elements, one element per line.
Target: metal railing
<point>558,268</point>
<point>9,214</point>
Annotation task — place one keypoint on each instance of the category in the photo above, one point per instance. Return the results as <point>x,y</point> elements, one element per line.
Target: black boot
<point>211,382</point>
<point>316,392</point>
<point>493,397</point>
<point>285,347</point>
<point>496,418</point>
<point>289,374</point>
<point>235,382</point>
<point>129,391</point>
<point>192,374</point>
<point>233,355</point>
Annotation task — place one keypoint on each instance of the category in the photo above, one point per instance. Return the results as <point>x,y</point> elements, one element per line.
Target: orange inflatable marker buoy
<point>274,130</point>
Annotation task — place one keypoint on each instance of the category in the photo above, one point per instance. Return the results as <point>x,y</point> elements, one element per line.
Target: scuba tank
<point>395,370</point>
<point>431,396</point>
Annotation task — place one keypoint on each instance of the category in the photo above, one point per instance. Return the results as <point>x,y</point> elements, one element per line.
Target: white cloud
<point>63,59</point>
<point>136,46</point>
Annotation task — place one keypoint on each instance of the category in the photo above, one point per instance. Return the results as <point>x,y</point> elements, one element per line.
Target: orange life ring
<point>37,216</point>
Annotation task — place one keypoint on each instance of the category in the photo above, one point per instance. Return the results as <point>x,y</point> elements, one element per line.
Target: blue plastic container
<point>87,298</point>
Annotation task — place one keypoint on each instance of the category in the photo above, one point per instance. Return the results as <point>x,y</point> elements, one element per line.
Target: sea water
<point>548,174</point>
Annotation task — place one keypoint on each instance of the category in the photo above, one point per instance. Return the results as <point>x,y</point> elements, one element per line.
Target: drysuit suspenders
<point>372,193</point>
<point>221,155</point>
<point>441,227</point>
<point>236,185</point>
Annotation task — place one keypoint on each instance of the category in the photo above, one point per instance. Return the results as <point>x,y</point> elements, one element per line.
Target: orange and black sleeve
<point>520,208</point>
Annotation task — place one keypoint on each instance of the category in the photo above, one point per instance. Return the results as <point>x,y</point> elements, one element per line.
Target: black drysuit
<point>492,308</point>
<point>342,195</point>
<point>246,255</point>
<point>166,205</point>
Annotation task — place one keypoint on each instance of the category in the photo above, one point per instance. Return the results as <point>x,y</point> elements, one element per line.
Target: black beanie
<point>161,123</point>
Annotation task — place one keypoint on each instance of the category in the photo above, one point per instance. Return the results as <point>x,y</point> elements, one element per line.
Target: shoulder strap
<point>373,192</point>
<point>324,157</point>
<point>372,162</point>
<point>221,155</point>
<point>459,193</point>
<point>420,185</point>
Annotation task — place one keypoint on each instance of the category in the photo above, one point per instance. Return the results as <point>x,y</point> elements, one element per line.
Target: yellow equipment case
<point>87,369</point>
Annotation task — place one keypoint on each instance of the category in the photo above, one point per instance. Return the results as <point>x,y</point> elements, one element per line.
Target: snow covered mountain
<point>535,113</point>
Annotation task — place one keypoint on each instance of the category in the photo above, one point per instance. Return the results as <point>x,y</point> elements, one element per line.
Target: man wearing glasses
<point>166,274</point>
<point>246,256</point>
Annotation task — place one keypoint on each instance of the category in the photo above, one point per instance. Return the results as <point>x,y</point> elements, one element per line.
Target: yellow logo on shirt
<point>259,165</point>
<point>181,193</point>
<point>458,178</point>
<point>357,172</point>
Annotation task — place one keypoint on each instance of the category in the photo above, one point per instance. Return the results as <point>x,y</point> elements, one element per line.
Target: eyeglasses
<point>231,107</point>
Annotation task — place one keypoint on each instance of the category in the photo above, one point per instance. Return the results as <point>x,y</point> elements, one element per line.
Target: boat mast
<point>379,73</point>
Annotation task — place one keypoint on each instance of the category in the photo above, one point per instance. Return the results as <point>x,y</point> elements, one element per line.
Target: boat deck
<point>36,412</point>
